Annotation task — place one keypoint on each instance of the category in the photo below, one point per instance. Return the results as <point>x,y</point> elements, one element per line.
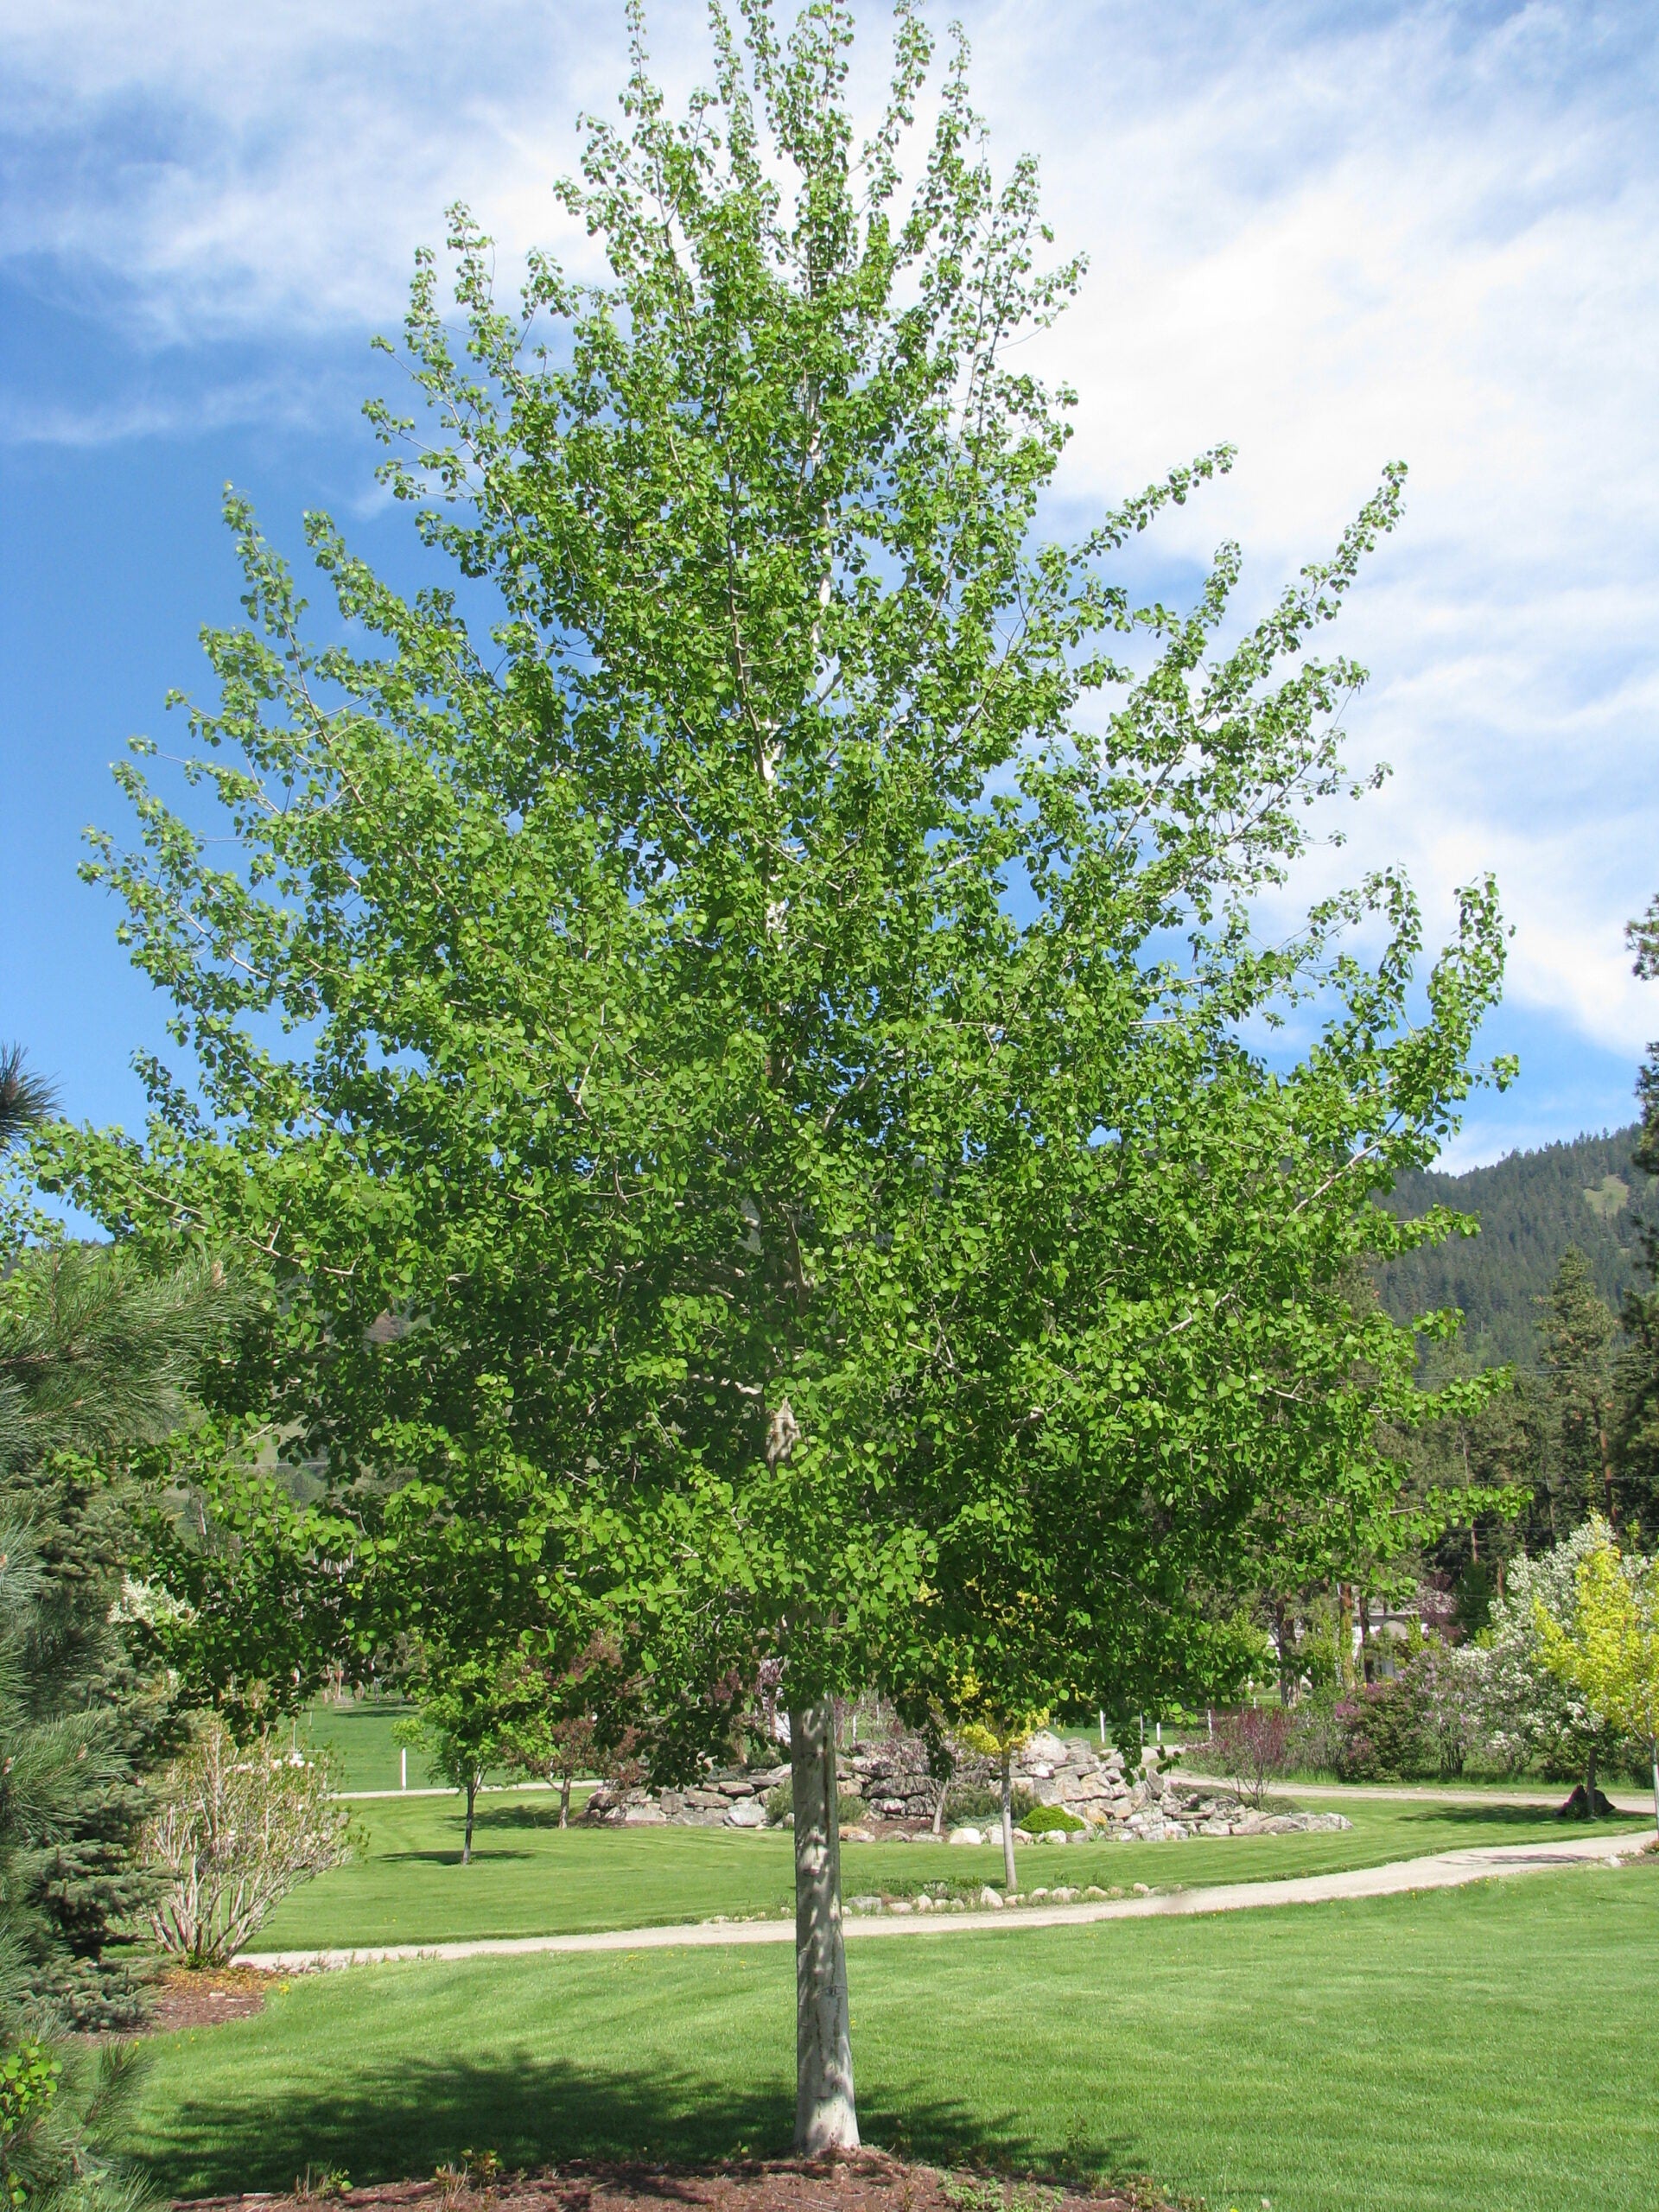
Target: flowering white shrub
<point>239,1826</point>
<point>1522,1709</point>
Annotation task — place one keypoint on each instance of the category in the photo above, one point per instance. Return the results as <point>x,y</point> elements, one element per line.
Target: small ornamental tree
<point>999,1739</point>
<point>562,1716</point>
<point>1252,1747</point>
<point>765,1021</point>
<point>1607,1647</point>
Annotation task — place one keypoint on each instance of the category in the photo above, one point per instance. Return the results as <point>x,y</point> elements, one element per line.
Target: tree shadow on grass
<point>521,1815</point>
<point>402,2124</point>
<point>446,1857</point>
<point>1514,1816</point>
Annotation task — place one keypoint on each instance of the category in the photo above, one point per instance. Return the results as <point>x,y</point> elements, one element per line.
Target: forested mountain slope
<point>1531,1206</point>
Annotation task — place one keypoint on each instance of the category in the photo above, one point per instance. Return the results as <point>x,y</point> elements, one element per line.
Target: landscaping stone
<point>891,1779</point>
<point>991,1899</point>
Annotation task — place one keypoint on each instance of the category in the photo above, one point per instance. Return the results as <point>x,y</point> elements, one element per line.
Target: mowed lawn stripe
<point>530,1878</point>
<point>1494,2050</point>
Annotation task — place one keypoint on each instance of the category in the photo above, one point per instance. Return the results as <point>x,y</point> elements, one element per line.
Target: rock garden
<point>1064,1791</point>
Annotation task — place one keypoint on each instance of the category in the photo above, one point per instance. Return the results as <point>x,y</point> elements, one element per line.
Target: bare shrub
<point>240,1826</point>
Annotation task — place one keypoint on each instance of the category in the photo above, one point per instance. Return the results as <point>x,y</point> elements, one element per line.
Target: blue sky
<point>1332,235</point>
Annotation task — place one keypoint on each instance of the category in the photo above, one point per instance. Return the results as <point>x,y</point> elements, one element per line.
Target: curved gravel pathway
<point>1444,1869</point>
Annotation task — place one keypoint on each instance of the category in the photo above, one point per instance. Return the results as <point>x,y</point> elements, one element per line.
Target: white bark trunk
<point>1010,1882</point>
<point>826,2118</point>
<point>939,1806</point>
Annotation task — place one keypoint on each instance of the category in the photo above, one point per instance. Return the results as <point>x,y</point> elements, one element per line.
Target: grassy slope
<point>1490,2049</point>
<point>529,1880</point>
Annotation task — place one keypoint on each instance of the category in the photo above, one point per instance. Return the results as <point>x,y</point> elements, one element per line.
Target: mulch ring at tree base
<point>869,2181</point>
<point>201,1997</point>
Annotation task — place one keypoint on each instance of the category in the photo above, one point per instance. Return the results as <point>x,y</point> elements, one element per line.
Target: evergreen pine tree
<point>1636,1438</point>
<point>97,1356</point>
<point>1579,1333</point>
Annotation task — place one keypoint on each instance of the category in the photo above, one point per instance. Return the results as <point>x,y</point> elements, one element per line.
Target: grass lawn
<point>359,1736</point>
<point>527,1879</point>
<point>1488,2049</point>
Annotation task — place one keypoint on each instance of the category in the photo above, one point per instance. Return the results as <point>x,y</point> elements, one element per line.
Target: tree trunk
<point>938,1809</point>
<point>1010,1884</point>
<point>472,1807</point>
<point>1345,1636</point>
<point>826,2118</point>
<point>1283,1644</point>
<point>1605,1450</point>
<point>1590,1786</point>
<point>1653,1747</point>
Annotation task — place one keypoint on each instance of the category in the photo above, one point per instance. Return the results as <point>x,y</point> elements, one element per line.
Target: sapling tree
<point>765,1021</point>
<point>999,1739</point>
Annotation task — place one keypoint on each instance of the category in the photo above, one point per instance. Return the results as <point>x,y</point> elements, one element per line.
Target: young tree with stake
<point>667,1054</point>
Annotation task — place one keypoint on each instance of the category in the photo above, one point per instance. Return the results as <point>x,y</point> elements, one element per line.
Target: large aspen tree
<point>729,1026</point>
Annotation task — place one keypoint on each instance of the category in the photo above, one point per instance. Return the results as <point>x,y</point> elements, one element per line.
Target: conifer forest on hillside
<point>1585,1194</point>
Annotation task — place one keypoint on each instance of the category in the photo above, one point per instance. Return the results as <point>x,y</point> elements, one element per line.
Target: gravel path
<point>1444,1870</point>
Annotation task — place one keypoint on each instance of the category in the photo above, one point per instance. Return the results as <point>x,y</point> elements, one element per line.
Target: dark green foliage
<point>1579,1330</point>
<point>79,1882</point>
<point>1588,1194</point>
<point>97,1352</point>
<point>1635,1438</point>
<point>1635,1443</point>
<point>96,1355</point>
<point>65,1811</point>
<point>25,1097</point>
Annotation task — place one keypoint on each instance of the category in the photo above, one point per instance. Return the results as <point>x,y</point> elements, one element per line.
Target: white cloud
<point>1332,236</point>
